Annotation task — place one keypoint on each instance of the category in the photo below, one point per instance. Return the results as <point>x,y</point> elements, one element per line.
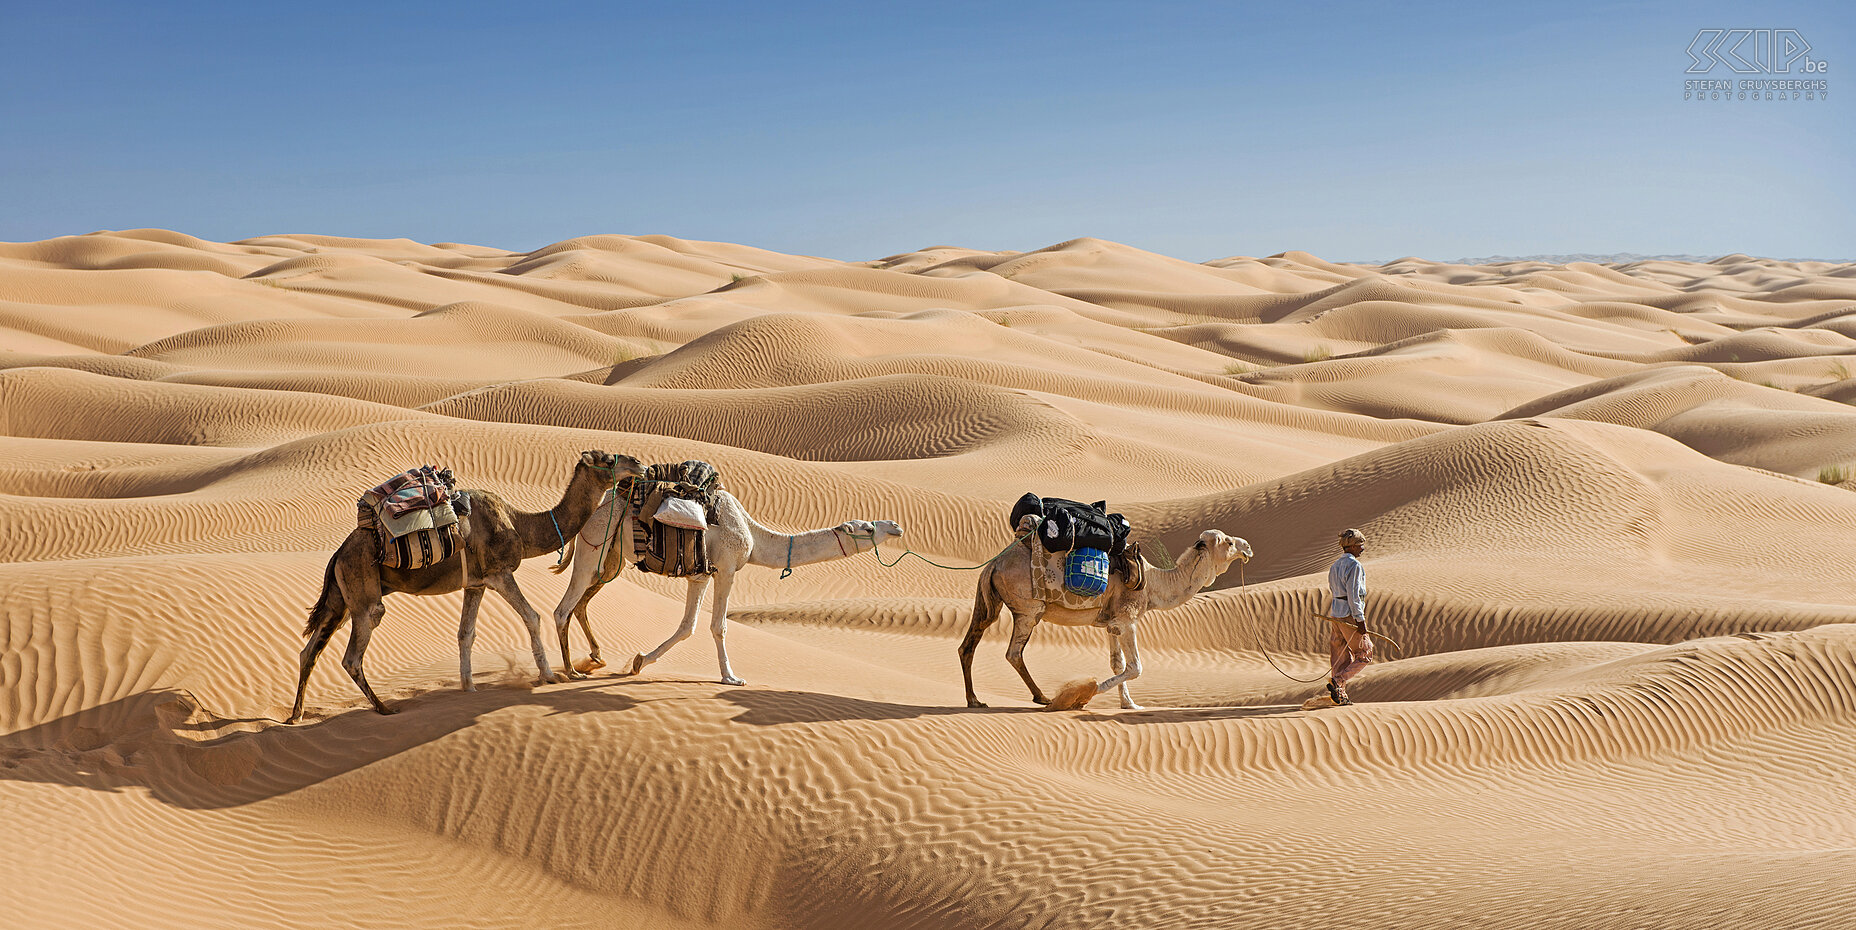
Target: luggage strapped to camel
<point>414,516</point>
<point>1088,541</point>
<point>671,504</point>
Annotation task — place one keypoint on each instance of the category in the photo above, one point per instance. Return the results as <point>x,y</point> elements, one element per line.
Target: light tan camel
<point>1008,582</point>
<point>495,538</point>
<point>732,543</point>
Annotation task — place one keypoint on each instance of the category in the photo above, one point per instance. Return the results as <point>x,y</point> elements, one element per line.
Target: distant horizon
<point>1558,258</point>
<point>1188,128</point>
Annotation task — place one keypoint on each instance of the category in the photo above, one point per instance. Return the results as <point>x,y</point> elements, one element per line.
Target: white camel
<point>731,543</point>
<point>1008,582</point>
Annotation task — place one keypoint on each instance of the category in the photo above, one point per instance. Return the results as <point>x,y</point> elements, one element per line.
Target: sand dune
<point>1607,547</point>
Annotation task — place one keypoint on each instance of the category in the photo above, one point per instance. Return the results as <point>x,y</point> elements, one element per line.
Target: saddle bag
<point>1067,524</point>
<point>1085,572</point>
<point>413,516</point>
<point>675,503</point>
<point>681,512</point>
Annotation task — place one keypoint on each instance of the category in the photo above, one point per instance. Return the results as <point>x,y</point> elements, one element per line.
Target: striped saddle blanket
<point>660,548</point>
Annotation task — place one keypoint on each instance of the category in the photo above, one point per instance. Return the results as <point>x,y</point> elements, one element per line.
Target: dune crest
<point>1608,502</point>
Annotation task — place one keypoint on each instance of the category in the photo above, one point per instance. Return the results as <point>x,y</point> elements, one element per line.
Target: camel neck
<point>548,530</point>
<point>1190,574</point>
<point>782,550</point>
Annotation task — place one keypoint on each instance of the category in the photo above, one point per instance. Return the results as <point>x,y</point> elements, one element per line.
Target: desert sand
<point>1605,534</point>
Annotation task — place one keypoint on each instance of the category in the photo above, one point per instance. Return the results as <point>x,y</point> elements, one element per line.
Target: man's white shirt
<point>1347,585</point>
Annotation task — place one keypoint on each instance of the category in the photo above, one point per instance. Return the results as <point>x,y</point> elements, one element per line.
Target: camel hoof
<point>385,711</point>
<point>976,703</point>
<point>1132,707</point>
<point>467,686</point>
<point>1039,700</point>
<point>732,680</point>
<point>637,664</point>
<point>576,675</point>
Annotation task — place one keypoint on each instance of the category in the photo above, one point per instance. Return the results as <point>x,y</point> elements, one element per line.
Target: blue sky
<point>1201,130</point>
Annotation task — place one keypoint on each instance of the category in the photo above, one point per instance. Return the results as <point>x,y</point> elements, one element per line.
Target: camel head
<point>610,466</point>
<point>874,530</point>
<point>1223,550</point>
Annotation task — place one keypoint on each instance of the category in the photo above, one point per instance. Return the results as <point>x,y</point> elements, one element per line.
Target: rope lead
<point>952,568</point>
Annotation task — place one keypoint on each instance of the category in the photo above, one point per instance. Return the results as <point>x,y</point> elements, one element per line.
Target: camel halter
<point>835,535</point>
<point>612,529</point>
<point>609,471</point>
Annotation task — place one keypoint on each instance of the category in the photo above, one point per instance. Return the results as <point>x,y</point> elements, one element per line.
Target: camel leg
<point>364,622</point>
<point>587,628</point>
<point>718,625</point>
<point>467,634</point>
<point>985,614</point>
<point>307,661</point>
<point>691,605</point>
<point>1116,664</point>
<point>343,586</point>
<point>505,584</point>
<point>1022,625</point>
<point>1124,633</point>
<point>580,588</point>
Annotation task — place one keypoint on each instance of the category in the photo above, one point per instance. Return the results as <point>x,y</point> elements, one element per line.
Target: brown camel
<point>494,539</point>
<point>1008,582</point>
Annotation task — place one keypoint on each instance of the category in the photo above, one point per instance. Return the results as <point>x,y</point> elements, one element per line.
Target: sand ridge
<point>1606,540</point>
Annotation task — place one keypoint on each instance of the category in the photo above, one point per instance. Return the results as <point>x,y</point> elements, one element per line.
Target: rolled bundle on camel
<point>731,541</point>
<point>493,540</point>
<point>1030,581</point>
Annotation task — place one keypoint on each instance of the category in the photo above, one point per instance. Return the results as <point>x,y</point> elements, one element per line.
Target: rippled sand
<point>1604,528</point>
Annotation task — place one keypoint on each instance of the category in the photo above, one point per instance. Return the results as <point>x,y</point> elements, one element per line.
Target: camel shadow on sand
<point>167,743</point>
<point>1185,714</point>
<point>776,708</point>
<point>766,708</point>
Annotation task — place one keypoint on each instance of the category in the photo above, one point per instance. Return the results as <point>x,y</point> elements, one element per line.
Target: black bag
<point>1068,524</point>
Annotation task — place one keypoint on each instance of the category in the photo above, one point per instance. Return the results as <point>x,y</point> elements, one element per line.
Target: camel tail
<point>982,599</point>
<point>986,603</point>
<point>565,563</point>
<point>330,609</point>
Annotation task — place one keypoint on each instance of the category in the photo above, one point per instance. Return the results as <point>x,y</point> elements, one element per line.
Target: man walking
<point>1349,646</point>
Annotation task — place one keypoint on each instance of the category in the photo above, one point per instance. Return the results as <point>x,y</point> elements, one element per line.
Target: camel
<point>732,543</point>
<point>494,538</point>
<point>1008,582</point>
